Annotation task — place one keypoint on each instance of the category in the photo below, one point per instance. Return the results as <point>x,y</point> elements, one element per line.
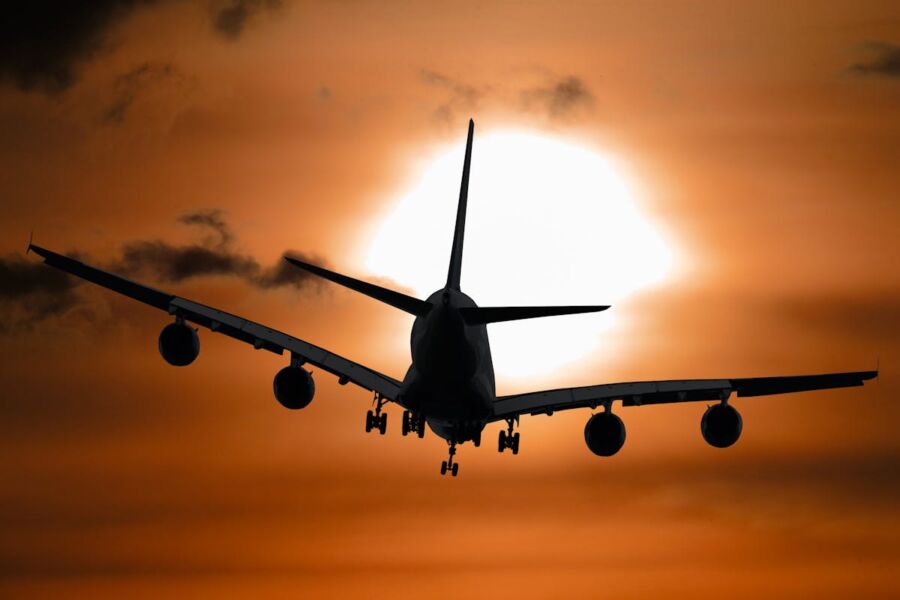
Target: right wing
<point>259,336</point>
<point>639,393</point>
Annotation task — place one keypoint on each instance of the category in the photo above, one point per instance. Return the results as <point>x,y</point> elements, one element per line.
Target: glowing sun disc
<point>549,222</point>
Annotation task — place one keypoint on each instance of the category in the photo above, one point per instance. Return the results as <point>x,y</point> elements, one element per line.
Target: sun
<point>550,221</point>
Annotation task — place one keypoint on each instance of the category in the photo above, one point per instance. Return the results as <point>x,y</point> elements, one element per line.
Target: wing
<point>260,336</point>
<point>666,392</point>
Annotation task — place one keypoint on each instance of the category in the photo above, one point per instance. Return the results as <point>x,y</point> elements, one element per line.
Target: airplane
<point>450,384</point>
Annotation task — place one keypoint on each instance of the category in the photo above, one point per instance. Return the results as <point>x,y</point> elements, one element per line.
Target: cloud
<point>872,317</point>
<point>460,96</point>
<point>559,98</point>
<point>548,94</point>
<point>130,84</point>
<point>42,42</point>
<point>885,63</point>
<point>31,292</point>
<point>231,19</point>
<point>215,254</point>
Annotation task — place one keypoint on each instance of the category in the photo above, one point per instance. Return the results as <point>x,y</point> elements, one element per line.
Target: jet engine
<point>179,344</point>
<point>294,387</point>
<point>604,434</point>
<point>721,425</point>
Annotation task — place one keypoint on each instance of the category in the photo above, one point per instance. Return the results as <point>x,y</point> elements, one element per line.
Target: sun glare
<point>549,222</point>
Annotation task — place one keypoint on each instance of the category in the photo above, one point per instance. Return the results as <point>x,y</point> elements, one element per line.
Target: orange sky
<point>765,140</point>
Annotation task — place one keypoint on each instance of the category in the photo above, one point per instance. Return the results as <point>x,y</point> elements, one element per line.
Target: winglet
<point>30,239</point>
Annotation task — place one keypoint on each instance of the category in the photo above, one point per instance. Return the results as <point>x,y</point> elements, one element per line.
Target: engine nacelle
<point>294,387</point>
<point>721,425</point>
<point>179,344</point>
<point>604,434</point>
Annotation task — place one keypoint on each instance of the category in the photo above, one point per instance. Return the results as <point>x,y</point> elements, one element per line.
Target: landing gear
<point>449,464</point>
<point>508,439</point>
<point>377,420</point>
<point>413,422</point>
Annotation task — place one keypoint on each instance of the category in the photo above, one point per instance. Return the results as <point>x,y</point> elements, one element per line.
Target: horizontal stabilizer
<point>406,303</point>
<point>494,314</point>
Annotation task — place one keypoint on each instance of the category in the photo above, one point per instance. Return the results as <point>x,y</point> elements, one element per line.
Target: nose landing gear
<point>507,438</point>
<point>449,464</point>
<point>377,420</point>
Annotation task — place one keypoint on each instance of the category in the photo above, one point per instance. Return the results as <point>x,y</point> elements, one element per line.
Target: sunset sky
<point>756,233</point>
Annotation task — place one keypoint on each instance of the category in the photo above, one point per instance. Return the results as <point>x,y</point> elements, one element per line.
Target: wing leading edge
<point>259,336</point>
<point>666,392</point>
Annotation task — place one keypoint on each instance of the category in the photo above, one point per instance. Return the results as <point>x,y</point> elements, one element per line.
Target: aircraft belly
<point>470,400</point>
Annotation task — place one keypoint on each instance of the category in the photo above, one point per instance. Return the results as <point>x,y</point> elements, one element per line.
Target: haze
<point>759,142</point>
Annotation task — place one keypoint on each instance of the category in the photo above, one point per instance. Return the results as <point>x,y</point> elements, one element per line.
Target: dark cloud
<point>31,292</point>
<point>42,42</point>
<point>215,254</point>
<point>213,219</point>
<point>231,18</point>
<point>885,63</point>
<point>559,98</point>
<point>129,85</point>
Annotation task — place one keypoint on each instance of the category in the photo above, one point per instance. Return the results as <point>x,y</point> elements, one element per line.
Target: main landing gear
<point>377,420</point>
<point>413,422</point>
<point>449,464</point>
<point>507,438</point>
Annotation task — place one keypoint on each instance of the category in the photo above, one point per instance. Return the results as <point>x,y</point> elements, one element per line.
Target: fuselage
<point>451,379</point>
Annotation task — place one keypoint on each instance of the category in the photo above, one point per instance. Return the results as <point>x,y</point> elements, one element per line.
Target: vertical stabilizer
<point>459,233</point>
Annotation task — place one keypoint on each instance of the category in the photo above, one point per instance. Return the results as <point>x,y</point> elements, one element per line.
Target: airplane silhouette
<point>450,384</point>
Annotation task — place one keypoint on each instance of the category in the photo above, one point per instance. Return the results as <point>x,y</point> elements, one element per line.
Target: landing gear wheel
<point>450,464</point>
<point>377,419</point>
<point>508,438</point>
<point>420,426</point>
<point>407,419</point>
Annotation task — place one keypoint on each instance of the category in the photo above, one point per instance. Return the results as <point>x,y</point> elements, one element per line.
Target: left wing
<point>665,392</point>
<point>260,336</point>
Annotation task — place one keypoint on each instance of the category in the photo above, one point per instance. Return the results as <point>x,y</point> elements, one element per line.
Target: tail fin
<point>458,234</point>
<point>480,315</point>
<point>396,299</point>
